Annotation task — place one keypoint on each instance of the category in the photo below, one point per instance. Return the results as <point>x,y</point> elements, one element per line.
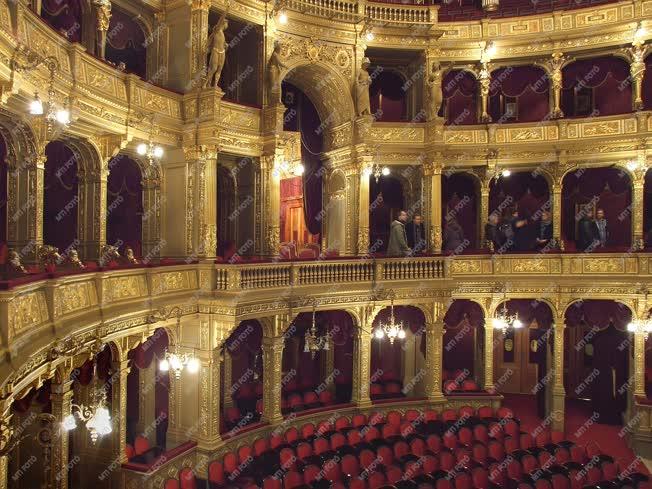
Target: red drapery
<point>61,201</point>
<point>388,96</point>
<point>64,15</point>
<point>459,201</point>
<point>598,313</point>
<point>607,76</point>
<point>124,204</point>
<point>460,92</point>
<point>529,85</point>
<point>3,192</point>
<point>125,42</point>
<point>610,189</point>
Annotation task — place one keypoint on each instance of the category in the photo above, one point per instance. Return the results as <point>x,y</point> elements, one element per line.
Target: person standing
<point>416,234</point>
<point>398,245</point>
<point>519,234</point>
<point>587,231</point>
<point>453,236</point>
<point>544,234</point>
<point>492,231</point>
<point>601,228</point>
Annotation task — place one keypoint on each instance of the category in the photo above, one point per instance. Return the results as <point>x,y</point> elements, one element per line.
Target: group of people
<point>409,238</point>
<point>592,231</point>
<point>513,232</point>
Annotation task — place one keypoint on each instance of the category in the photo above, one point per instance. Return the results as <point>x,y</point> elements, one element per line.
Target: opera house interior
<point>325,244</point>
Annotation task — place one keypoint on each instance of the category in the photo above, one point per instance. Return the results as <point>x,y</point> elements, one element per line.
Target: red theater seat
<point>292,480</point>
<point>129,451</point>
<point>326,398</point>
<point>307,430</point>
<point>172,484</point>
<point>216,473</point>
<point>271,483</point>
<point>187,478</point>
<point>359,420</point>
<point>141,445</point>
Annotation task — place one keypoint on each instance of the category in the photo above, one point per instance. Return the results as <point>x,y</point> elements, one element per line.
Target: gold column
<point>555,65</point>
<point>119,408</point>
<point>203,187</point>
<point>362,363</point>
<point>639,364</point>
<point>208,437</point>
<point>199,36</point>
<point>556,213</point>
<point>4,472</point>
<point>329,364</point>
<point>364,168</point>
<point>484,79</point>
<point>273,206</point>
<point>61,397</point>
<point>272,378</point>
<point>103,18</point>
<point>484,209</point>
<point>434,359</point>
<point>92,206</point>
<point>488,355</point>
<point>637,72</point>
<point>228,378</point>
<point>558,391</point>
<point>152,216</point>
<point>638,185</point>
<point>432,172</point>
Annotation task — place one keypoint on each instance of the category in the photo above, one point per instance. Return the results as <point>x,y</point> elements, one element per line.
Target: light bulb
<point>506,173</point>
<point>62,116</point>
<point>164,366</point>
<point>141,149</point>
<point>640,32</point>
<point>367,171</point>
<point>282,17</point>
<point>36,106</point>
<point>175,363</point>
<point>517,324</point>
<point>193,366</point>
<point>379,333</point>
<point>158,151</point>
<point>69,423</point>
<point>632,165</point>
<point>401,334</point>
<point>385,171</point>
<point>490,49</point>
<point>498,323</point>
<point>369,36</point>
<point>631,327</point>
<point>299,169</point>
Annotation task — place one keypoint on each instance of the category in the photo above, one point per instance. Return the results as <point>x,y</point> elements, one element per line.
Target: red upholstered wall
<point>64,15</point>
<point>460,92</point>
<point>124,204</point>
<point>387,96</point>
<point>126,42</point>
<point>529,85</point>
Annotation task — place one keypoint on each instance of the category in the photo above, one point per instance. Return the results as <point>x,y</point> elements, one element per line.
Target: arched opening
<point>398,368</point>
<point>315,379</point>
<point>387,95</point>
<point>65,17</point>
<point>519,94</point>
<point>125,43</point>
<point>460,93</point>
<point>301,194</point>
<point>596,87</point>
<point>463,347</point>
<point>60,197</point>
<point>124,226</point>
<point>386,199</point>
<point>596,212</point>
<point>459,212</point>
<point>147,399</point>
<point>4,173</point>
<point>242,376</point>
<point>647,84</point>
<point>522,358</point>
<point>520,203</point>
<point>597,359</point>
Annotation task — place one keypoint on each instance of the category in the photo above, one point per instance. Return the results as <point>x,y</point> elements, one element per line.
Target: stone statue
<point>108,254</point>
<point>129,256</point>
<point>14,264</point>
<point>362,89</point>
<point>74,261</point>
<point>216,48</point>
<point>103,9</point>
<point>274,68</point>
<point>434,91</point>
<point>49,256</point>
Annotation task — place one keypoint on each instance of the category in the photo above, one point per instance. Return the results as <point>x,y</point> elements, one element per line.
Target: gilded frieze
<point>397,134</point>
<point>27,311</point>
<point>126,287</point>
<point>74,297</point>
<point>173,281</point>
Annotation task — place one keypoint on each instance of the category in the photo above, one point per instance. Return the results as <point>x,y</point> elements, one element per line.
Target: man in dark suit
<point>492,231</point>
<point>602,231</point>
<point>544,234</point>
<point>587,231</point>
<point>416,234</point>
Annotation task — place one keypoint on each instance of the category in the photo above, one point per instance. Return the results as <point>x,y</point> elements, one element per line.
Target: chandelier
<point>503,321</point>
<point>149,149</point>
<point>312,342</point>
<point>377,171</point>
<point>392,329</point>
<point>96,416</point>
<point>641,326</point>
<point>175,360</point>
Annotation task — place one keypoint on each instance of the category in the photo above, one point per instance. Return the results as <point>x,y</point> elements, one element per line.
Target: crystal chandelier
<point>640,326</point>
<point>312,342</point>
<point>96,417</point>
<point>176,360</point>
<point>149,149</point>
<point>377,171</point>
<point>392,329</point>
<point>503,321</point>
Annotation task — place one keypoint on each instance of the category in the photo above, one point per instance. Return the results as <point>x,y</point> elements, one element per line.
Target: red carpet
<point>581,428</point>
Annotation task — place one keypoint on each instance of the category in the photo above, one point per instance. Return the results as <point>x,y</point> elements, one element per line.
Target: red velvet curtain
<point>387,96</point>
<point>64,15</point>
<point>3,192</point>
<point>60,199</point>
<point>460,201</point>
<point>610,189</point>
<point>647,84</point>
<point>125,42</point>
<point>124,204</point>
<point>526,191</point>
<point>40,396</point>
<point>529,85</point>
<point>599,313</point>
<point>460,92</point>
<point>607,76</point>
<point>464,320</point>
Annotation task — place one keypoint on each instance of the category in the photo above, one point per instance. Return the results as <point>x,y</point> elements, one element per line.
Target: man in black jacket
<point>492,232</point>
<point>544,234</point>
<point>587,231</point>
<point>416,234</point>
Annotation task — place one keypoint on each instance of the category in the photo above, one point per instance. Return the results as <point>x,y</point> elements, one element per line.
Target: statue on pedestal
<point>435,95</point>
<point>274,68</point>
<point>216,48</point>
<point>103,9</point>
<point>362,84</point>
